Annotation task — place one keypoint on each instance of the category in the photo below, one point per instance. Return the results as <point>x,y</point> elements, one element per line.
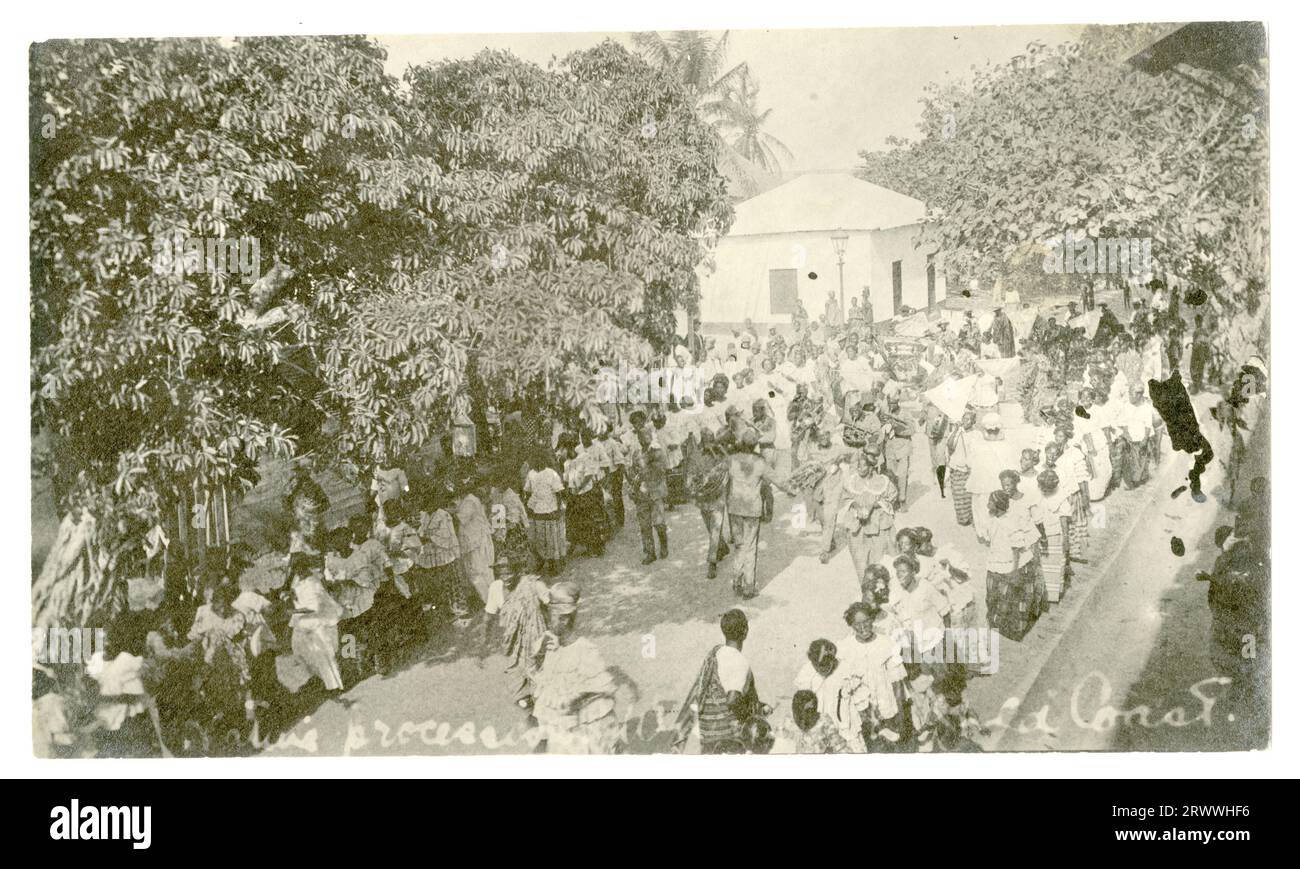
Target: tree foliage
<point>726,97</point>
<point>568,216</point>
<point>742,122</point>
<point>1066,138</point>
<point>150,377</point>
<point>483,215</point>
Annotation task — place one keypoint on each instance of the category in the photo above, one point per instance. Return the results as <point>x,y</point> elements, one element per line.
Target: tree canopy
<point>483,215</point>
<point>1069,138</point>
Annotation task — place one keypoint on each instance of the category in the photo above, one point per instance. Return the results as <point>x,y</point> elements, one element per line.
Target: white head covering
<point>955,559</point>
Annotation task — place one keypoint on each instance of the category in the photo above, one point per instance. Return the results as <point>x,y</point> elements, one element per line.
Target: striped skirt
<point>961,497</point>
<point>1079,525</point>
<point>1013,601</point>
<point>548,535</point>
<point>1054,567</point>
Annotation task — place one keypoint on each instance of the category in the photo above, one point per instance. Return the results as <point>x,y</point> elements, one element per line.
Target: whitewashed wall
<point>737,287</point>
<point>899,244</point>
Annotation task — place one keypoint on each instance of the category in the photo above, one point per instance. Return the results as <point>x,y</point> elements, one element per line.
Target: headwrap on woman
<point>564,598</point>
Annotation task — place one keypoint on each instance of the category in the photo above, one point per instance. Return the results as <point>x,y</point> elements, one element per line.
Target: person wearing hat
<point>578,702</point>
<point>731,360</point>
<point>861,423</point>
<point>724,696</point>
<point>647,485</point>
<point>897,442</point>
<point>1108,326</point>
<point>748,474</point>
<point>969,335</point>
<point>1002,334</point>
<point>503,578</point>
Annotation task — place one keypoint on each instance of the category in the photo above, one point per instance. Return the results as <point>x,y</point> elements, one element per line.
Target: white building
<point>780,249</point>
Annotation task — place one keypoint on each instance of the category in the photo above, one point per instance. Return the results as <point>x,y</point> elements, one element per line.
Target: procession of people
<point>1028,426</point>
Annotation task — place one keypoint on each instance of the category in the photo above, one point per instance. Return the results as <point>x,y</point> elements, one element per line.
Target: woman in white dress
<point>1092,439</point>
<point>875,680</point>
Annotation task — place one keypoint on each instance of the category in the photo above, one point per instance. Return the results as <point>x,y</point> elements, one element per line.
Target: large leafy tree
<point>1067,138</point>
<point>154,374</point>
<point>491,217</point>
<point>570,215</point>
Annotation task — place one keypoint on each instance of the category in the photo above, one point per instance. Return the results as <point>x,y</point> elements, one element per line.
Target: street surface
<point>1122,662</point>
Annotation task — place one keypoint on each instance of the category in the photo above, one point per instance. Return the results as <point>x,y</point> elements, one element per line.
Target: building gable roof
<point>825,203</point>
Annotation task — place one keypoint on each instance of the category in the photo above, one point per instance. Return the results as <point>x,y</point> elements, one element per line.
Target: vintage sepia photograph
<point>859,390</point>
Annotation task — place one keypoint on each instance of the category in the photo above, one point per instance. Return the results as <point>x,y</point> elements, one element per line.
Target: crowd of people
<point>828,415</point>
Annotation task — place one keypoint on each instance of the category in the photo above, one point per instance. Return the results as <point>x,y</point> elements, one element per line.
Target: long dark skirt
<point>1117,452</point>
<point>1136,464</point>
<point>1014,601</point>
<point>586,522</point>
<point>393,625</point>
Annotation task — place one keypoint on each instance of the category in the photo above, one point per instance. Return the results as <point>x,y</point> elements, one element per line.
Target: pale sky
<point>832,92</point>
